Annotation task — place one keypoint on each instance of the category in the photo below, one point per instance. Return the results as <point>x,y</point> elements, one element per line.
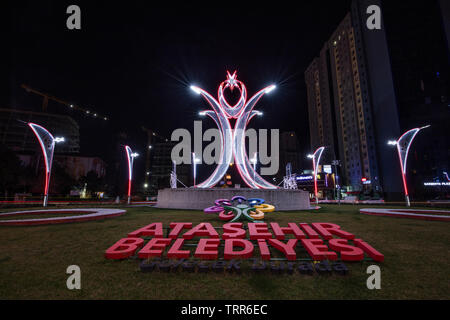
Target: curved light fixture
<point>403,144</point>
<point>47,143</point>
<point>233,140</point>
<point>130,159</point>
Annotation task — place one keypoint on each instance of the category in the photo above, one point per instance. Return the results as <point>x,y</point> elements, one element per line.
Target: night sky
<point>134,62</point>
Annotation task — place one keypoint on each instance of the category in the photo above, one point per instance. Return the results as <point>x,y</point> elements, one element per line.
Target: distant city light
<point>270,88</point>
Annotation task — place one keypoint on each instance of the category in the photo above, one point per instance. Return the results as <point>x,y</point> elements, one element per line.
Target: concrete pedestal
<point>199,199</point>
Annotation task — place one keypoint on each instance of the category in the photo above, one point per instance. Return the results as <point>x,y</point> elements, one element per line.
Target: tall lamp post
<point>403,144</point>
<point>47,143</point>
<point>316,159</point>
<point>130,158</point>
<point>195,160</point>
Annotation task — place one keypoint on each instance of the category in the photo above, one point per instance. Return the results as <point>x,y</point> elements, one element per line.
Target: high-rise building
<point>352,106</point>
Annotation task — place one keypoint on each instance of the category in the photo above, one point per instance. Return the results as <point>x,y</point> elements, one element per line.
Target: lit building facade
<point>352,106</point>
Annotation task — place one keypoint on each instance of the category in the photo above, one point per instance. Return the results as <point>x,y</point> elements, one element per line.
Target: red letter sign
<point>124,248</point>
<point>317,250</point>
<point>348,252</point>
<point>229,253</point>
<point>153,229</point>
<point>154,248</point>
<point>201,230</point>
<point>207,249</point>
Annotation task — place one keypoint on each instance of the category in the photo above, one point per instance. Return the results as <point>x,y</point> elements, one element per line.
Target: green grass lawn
<point>33,261</point>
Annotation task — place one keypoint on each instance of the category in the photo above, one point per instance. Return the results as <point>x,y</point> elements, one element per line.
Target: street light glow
<point>59,139</point>
<point>392,142</point>
<point>197,90</point>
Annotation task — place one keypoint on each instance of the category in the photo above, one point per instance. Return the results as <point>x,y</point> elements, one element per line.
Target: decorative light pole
<point>403,144</point>
<point>194,162</point>
<point>316,159</point>
<point>130,158</point>
<point>47,143</point>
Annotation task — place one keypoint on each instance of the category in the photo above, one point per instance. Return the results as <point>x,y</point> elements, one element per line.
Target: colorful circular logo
<point>240,208</point>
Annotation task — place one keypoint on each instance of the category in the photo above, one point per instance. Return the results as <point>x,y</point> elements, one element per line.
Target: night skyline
<point>133,64</point>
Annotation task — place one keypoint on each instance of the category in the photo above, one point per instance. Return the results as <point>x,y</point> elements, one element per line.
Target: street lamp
<point>130,158</point>
<point>316,159</point>
<point>47,143</point>
<point>194,162</point>
<point>403,144</point>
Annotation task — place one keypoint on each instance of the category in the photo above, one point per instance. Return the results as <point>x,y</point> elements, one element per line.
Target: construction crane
<point>47,97</point>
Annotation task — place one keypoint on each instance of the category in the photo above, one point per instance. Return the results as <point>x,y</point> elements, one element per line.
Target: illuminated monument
<point>233,140</point>
<point>232,150</point>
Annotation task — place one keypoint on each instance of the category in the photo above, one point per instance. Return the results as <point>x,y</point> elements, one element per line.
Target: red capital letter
<point>258,231</point>
<point>348,252</point>
<point>371,252</point>
<point>309,231</point>
<point>207,249</point>
<point>233,230</point>
<point>124,248</point>
<point>177,227</point>
<point>153,229</point>
<point>201,230</point>
<point>292,229</point>
<point>154,248</point>
<point>245,253</point>
<point>175,252</point>
<point>264,249</point>
<point>318,250</point>
<point>286,248</point>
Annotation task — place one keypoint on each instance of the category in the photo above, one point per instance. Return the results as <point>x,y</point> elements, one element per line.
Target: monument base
<point>199,198</point>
